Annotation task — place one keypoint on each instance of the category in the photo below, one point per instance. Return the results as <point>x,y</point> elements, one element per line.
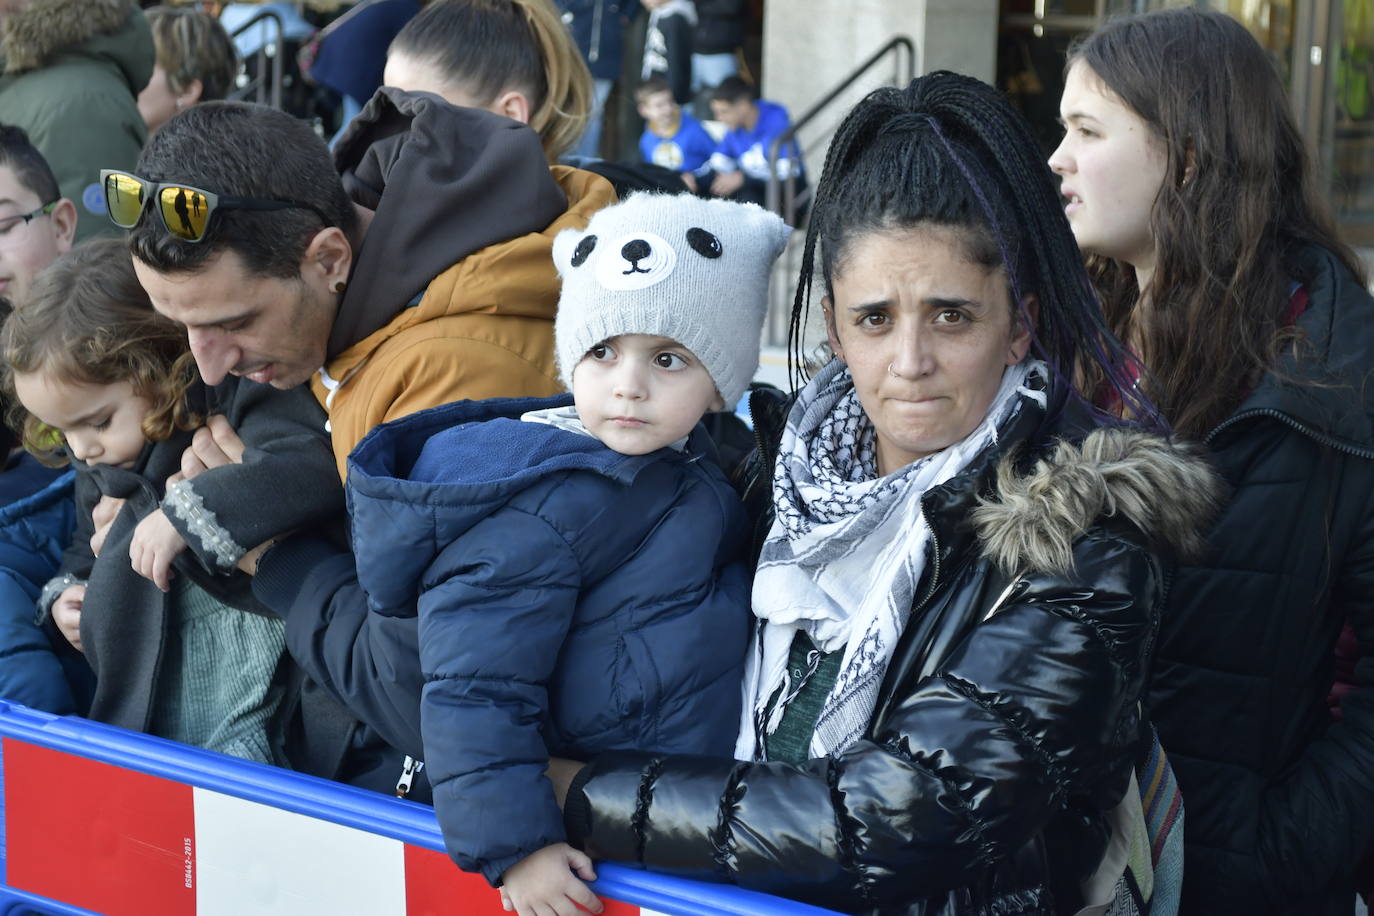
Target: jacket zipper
<point>408,771</point>
<point>1321,438</point>
<point>935,572</point>
<point>758,444</point>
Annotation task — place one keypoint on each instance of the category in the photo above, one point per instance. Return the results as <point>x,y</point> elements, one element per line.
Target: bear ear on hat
<point>767,225</point>
<point>564,247</point>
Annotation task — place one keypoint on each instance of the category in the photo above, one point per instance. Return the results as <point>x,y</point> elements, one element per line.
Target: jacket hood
<point>1322,381</point>
<point>491,463</point>
<point>444,182</point>
<point>113,30</point>
<point>515,278</point>
<point>1166,490</point>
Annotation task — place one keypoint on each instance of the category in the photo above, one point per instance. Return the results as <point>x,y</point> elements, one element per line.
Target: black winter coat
<point>1281,799</point>
<point>287,479</point>
<point>998,745</point>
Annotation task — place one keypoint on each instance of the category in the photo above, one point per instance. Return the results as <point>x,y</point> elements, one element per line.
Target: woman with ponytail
<point>512,57</point>
<point>1187,184</point>
<point>958,593</point>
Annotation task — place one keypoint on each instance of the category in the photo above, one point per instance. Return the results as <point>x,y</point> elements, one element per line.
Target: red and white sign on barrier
<point>127,843</point>
<point>100,820</point>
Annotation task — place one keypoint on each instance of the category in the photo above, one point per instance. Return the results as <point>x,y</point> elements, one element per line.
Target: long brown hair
<point>87,320</point>
<point>1238,201</point>
<point>489,46</point>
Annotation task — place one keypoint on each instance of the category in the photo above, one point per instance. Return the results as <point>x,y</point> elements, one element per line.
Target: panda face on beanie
<point>692,270</point>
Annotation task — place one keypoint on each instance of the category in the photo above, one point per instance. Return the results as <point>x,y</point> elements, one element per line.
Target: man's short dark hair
<point>734,89</point>
<point>23,158</point>
<point>242,150</point>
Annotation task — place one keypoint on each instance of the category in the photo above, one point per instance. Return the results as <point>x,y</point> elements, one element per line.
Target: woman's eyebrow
<point>950,302</point>
<point>1065,120</point>
<point>874,306</point>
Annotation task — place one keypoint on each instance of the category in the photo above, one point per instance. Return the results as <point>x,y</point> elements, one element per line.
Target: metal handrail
<point>265,88</point>
<point>782,197</point>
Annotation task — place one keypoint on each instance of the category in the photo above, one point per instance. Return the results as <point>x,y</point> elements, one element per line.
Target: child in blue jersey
<point>740,162</point>
<point>579,566</point>
<point>672,138</point>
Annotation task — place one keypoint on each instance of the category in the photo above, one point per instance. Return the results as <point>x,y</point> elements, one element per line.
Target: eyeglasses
<point>9,222</point>
<point>185,211</point>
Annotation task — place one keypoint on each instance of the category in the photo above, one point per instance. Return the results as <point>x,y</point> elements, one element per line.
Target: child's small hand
<point>66,614</point>
<point>727,183</point>
<point>155,545</point>
<point>102,518</point>
<point>690,181</point>
<point>543,884</point>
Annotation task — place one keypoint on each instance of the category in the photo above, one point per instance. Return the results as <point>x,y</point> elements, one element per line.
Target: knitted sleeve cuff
<point>577,814</point>
<point>52,590</point>
<point>202,530</point>
<point>284,570</point>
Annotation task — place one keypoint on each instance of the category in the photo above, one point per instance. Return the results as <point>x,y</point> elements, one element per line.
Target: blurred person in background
<point>72,73</point>
<point>196,62</point>
<point>598,27</point>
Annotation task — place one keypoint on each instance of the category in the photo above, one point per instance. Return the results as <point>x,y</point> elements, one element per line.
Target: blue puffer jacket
<point>571,600</point>
<point>34,530</point>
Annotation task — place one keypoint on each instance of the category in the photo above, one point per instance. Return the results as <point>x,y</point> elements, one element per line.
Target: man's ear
<point>512,104</point>
<point>1023,322</point>
<point>828,310</point>
<point>328,260</point>
<point>64,224</point>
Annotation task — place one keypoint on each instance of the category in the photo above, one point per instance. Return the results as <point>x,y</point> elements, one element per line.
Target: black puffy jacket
<point>1281,799</point>
<point>998,744</point>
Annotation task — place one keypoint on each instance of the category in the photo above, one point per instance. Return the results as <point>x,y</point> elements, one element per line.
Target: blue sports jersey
<point>685,151</point>
<point>747,150</point>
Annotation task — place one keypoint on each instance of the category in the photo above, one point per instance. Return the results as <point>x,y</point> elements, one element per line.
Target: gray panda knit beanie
<point>675,266</point>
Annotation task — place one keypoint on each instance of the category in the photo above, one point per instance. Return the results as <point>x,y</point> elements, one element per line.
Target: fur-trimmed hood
<point>1167,490</point>
<point>30,37</point>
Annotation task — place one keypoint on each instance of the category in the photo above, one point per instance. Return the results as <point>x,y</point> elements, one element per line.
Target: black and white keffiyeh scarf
<point>846,552</point>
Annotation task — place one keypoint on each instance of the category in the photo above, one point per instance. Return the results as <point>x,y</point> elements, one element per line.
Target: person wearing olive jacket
<point>958,592</point>
<point>72,72</point>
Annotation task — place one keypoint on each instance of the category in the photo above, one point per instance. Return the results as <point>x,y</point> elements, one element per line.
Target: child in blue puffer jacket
<point>579,565</point>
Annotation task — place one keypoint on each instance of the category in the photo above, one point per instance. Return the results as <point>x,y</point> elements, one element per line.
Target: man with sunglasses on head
<point>421,272</point>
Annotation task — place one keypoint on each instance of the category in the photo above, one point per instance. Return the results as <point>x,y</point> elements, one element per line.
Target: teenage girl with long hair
<point>1187,184</point>
<point>958,595</point>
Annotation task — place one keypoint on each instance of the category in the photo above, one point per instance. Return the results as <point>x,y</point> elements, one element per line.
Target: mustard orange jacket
<point>483,328</point>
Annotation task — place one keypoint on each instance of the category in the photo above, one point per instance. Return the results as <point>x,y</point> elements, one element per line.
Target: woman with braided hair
<point>1187,183</point>
<point>957,596</point>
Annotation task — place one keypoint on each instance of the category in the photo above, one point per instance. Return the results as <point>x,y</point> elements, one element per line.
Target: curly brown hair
<point>87,320</point>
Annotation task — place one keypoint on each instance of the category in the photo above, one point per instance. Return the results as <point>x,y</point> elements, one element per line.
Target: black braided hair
<point>948,150</point>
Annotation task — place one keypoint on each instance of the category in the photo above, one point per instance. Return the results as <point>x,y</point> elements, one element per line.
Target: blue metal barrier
<point>97,819</point>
